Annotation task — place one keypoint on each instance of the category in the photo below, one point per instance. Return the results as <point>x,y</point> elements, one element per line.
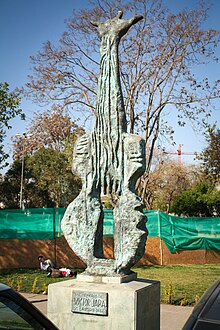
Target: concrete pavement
<point>38,300</point>
<point>171,317</point>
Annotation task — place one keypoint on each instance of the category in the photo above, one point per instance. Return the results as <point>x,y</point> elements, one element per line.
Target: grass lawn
<point>28,280</point>
<point>180,284</point>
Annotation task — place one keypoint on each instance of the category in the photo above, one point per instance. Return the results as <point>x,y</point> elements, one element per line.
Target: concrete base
<point>118,279</point>
<point>98,305</point>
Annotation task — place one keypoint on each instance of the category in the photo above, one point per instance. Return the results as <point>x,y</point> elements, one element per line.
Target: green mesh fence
<point>179,233</point>
<point>31,223</point>
<point>184,233</point>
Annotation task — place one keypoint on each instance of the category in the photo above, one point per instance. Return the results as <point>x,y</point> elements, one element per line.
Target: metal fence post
<point>54,237</point>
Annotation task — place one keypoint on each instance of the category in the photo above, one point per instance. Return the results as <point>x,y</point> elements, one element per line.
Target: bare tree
<point>158,62</point>
<point>51,129</point>
<point>167,180</point>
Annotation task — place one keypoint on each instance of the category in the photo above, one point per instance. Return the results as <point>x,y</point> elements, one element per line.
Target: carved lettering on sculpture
<point>90,302</point>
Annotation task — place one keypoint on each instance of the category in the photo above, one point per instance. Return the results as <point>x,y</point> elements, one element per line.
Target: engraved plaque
<point>90,302</point>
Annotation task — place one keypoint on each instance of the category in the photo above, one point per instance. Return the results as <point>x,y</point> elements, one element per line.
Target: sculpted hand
<point>117,25</point>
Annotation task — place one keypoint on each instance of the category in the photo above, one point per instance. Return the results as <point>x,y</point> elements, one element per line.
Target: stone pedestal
<point>105,303</point>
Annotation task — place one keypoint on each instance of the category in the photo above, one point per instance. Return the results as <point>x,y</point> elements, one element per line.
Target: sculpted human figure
<point>109,161</point>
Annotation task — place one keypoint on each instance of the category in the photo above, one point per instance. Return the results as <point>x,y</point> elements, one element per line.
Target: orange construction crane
<point>179,153</point>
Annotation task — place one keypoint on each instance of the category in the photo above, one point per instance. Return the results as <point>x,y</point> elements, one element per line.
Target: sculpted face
<point>135,159</point>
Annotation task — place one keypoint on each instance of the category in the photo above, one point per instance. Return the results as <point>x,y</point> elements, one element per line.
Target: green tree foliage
<point>211,155</point>
<point>47,181</point>
<point>10,188</point>
<point>9,109</point>
<point>213,202</point>
<point>47,148</point>
<point>167,181</point>
<point>201,200</point>
<point>52,174</point>
<point>46,151</point>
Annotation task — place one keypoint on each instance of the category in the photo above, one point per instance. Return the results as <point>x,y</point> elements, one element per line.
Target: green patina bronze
<point>109,161</point>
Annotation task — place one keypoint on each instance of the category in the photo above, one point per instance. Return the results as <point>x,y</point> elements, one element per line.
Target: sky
<point>26,24</point>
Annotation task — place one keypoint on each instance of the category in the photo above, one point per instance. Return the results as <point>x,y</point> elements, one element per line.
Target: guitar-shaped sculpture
<point>108,160</point>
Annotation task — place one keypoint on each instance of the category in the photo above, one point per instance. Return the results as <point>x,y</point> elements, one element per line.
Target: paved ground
<point>172,317</point>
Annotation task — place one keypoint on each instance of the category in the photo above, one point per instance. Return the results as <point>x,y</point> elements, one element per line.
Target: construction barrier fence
<point>178,233</point>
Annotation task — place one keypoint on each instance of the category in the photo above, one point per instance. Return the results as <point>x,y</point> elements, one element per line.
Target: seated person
<point>45,265</point>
